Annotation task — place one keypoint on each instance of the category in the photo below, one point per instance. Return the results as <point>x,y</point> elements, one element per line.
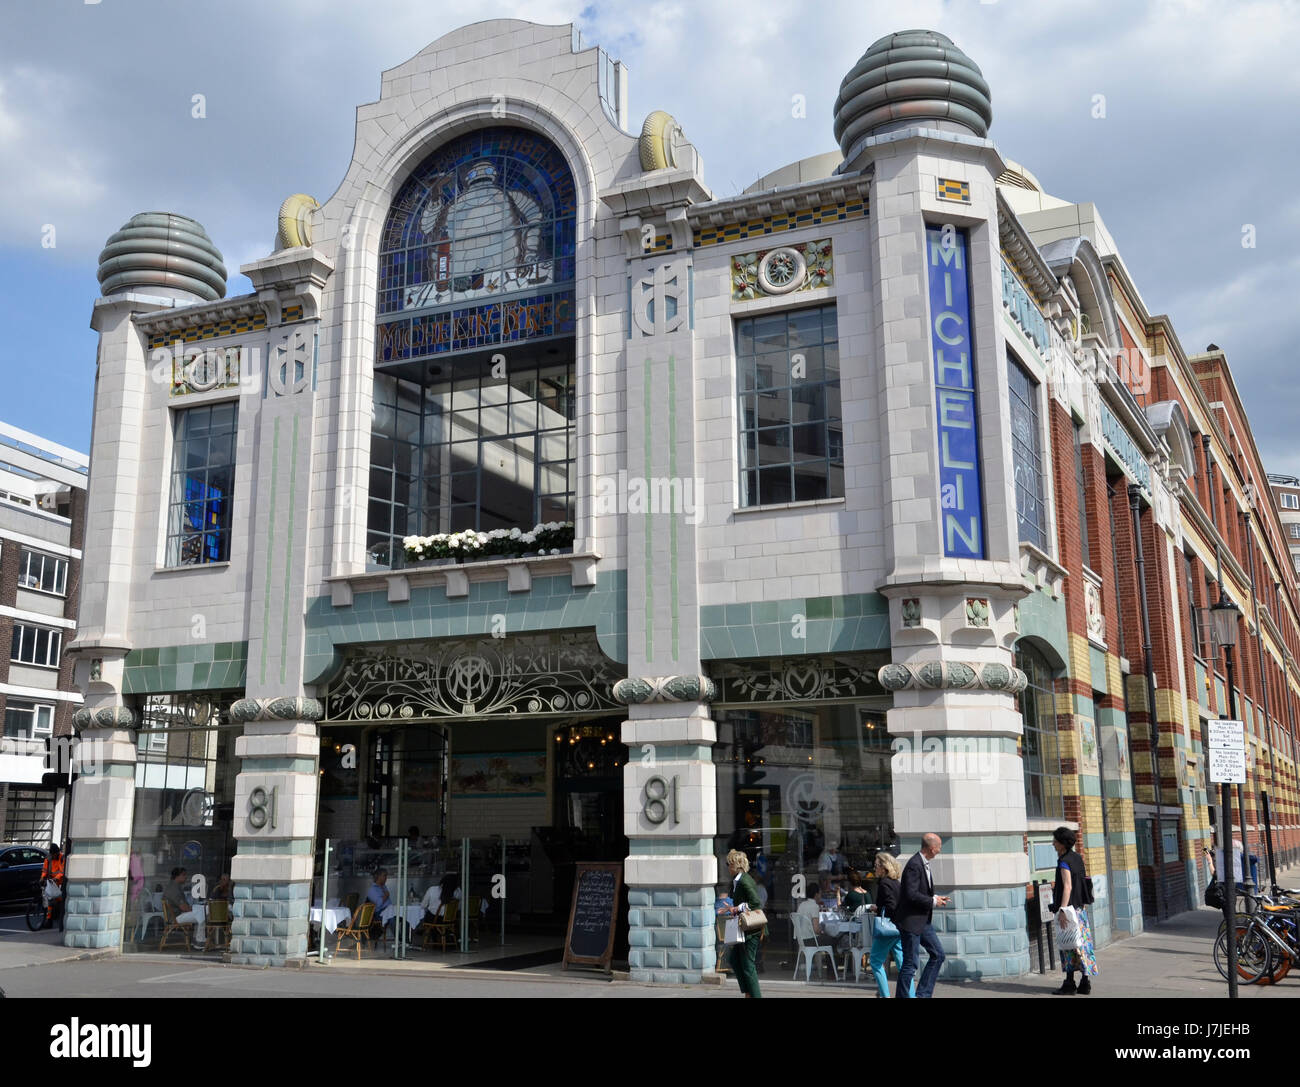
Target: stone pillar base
<point>94,913</point>
<point>269,923</point>
<point>671,932</point>
<point>984,933</point>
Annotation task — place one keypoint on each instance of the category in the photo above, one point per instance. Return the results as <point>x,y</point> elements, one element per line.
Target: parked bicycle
<point>1268,939</point>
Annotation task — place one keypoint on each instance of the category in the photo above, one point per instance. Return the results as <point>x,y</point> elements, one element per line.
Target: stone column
<point>953,561</point>
<point>275,823</point>
<point>670,807</point>
<point>275,791</point>
<point>103,804</point>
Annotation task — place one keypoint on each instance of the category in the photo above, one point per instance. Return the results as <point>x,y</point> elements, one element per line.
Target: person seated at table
<point>810,907</point>
<point>431,903</point>
<point>857,895</point>
<point>385,912</point>
<point>723,903</point>
<point>224,890</point>
<point>174,893</point>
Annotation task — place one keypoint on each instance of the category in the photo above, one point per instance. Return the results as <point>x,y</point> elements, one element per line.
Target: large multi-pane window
<point>28,720</point>
<point>1027,455</point>
<point>203,485</point>
<point>478,452</point>
<point>474,391</point>
<point>1042,752</point>
<point>47,573</point>
<point>36,645</point>
<point>791,433</point>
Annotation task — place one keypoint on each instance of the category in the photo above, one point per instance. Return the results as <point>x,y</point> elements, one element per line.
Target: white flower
<point>515,533</point>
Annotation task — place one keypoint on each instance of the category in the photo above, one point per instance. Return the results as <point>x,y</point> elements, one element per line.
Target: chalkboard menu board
<point>590,938</point>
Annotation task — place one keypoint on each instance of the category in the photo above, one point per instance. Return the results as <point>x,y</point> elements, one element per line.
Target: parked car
<point>20,872</point>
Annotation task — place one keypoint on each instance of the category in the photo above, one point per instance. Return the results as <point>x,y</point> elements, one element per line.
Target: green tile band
<point>649,531</point>
<point>288,553</point>
<point>673,514</point>
<point>270,542</point>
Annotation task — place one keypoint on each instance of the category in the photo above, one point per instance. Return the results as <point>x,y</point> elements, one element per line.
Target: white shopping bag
<point>1067,929</point>
<point>731,934</point>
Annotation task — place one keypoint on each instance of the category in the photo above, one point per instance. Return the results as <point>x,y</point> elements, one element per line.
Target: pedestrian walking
<point>743,957</point>
<point>915,911</point>
<point>1071,889</point>
<point>886,941</point>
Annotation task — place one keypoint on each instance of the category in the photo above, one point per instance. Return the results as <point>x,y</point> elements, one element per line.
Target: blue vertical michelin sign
<point>960,499</point>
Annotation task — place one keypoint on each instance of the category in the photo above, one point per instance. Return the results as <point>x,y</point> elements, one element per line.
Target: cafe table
<point>333,917</point>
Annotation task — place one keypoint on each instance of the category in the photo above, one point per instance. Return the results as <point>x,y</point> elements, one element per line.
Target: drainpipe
<point>1158,846</point>
<point>1209,478</point>
<point>1259,656</point>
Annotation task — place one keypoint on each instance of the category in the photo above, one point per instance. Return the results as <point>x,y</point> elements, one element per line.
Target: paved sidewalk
<point>1171,960</point>
<point>19,946</point>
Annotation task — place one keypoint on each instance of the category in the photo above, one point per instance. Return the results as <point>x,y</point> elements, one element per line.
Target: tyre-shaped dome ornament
<point>659,134</point>
<point>293,228</point>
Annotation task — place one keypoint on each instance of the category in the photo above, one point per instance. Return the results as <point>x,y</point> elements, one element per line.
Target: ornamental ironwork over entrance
<point>564,674</point>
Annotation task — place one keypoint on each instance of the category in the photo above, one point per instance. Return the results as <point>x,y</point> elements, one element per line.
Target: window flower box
<point>550,538</point>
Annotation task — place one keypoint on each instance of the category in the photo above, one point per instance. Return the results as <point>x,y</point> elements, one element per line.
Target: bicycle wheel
<point>36,913</point>
<point>1281,964</point>
<point>1253,955</point>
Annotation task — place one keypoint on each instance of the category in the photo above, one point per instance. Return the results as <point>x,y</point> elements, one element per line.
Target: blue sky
<point>96,124</point>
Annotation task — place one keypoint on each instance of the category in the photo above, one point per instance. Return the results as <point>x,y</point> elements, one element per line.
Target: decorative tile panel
<point>775,224</point>
<point>255,323</point>
<point>950,189</point>
<point>787,270</point>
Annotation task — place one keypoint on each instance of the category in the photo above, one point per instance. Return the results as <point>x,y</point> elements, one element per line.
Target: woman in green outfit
<point>744,892</point>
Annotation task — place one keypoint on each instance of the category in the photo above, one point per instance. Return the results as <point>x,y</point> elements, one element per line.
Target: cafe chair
<point>218,923</point>
<point>859,949</point>
<point>171,928</point>
<point>473,911</point>
<point>720,952</point>
<point>150,911</point>
<point>809,947</point>
<point>443,927</point>
<point>357,929</point>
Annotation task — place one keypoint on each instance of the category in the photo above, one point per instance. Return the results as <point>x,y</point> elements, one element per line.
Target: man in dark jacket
<point>912,915</point>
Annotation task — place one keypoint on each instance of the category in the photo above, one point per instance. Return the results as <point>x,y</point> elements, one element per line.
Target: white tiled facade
<point>298,545</point>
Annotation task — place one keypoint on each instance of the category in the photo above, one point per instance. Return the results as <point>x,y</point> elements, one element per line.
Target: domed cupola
<point>162,251</point>
<point>910,78</point>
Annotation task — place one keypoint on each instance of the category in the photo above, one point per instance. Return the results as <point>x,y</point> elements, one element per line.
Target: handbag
<point>52,889</point>
<point>731,933</point>
<point>885,928</point>
<point>1067,929</point>
<point>1214,894</point>
<point>751,921</point>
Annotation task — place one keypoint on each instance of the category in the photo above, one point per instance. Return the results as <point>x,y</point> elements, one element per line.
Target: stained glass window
<point>203,484</point>
<point>476,261</point>
<point>477,248</point>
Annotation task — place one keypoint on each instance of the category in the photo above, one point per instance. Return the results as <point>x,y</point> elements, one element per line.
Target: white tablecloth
<point>834,926</point>
<point>414,915</point>
<point>334,917</point>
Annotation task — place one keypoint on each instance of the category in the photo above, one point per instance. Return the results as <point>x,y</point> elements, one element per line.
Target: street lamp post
<point>1225,614</point>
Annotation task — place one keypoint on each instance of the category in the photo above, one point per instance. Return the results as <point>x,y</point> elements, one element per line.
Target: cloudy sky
<point>1198,141</point>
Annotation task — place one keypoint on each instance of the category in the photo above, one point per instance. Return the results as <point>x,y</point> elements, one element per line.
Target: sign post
<point>1227,751</point>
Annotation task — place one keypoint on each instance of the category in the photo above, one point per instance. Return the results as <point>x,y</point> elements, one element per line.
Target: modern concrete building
<point>42,511</point>
<point>542,501</point>
<point>1286,500</point>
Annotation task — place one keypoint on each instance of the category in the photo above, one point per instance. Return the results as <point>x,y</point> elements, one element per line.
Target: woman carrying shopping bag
<point>743,957</point>
<point>1070,901</point>
<point>885,937</point>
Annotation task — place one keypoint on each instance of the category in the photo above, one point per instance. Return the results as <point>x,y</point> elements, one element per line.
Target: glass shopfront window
<point>184,819</point>
<point>805,791</point>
